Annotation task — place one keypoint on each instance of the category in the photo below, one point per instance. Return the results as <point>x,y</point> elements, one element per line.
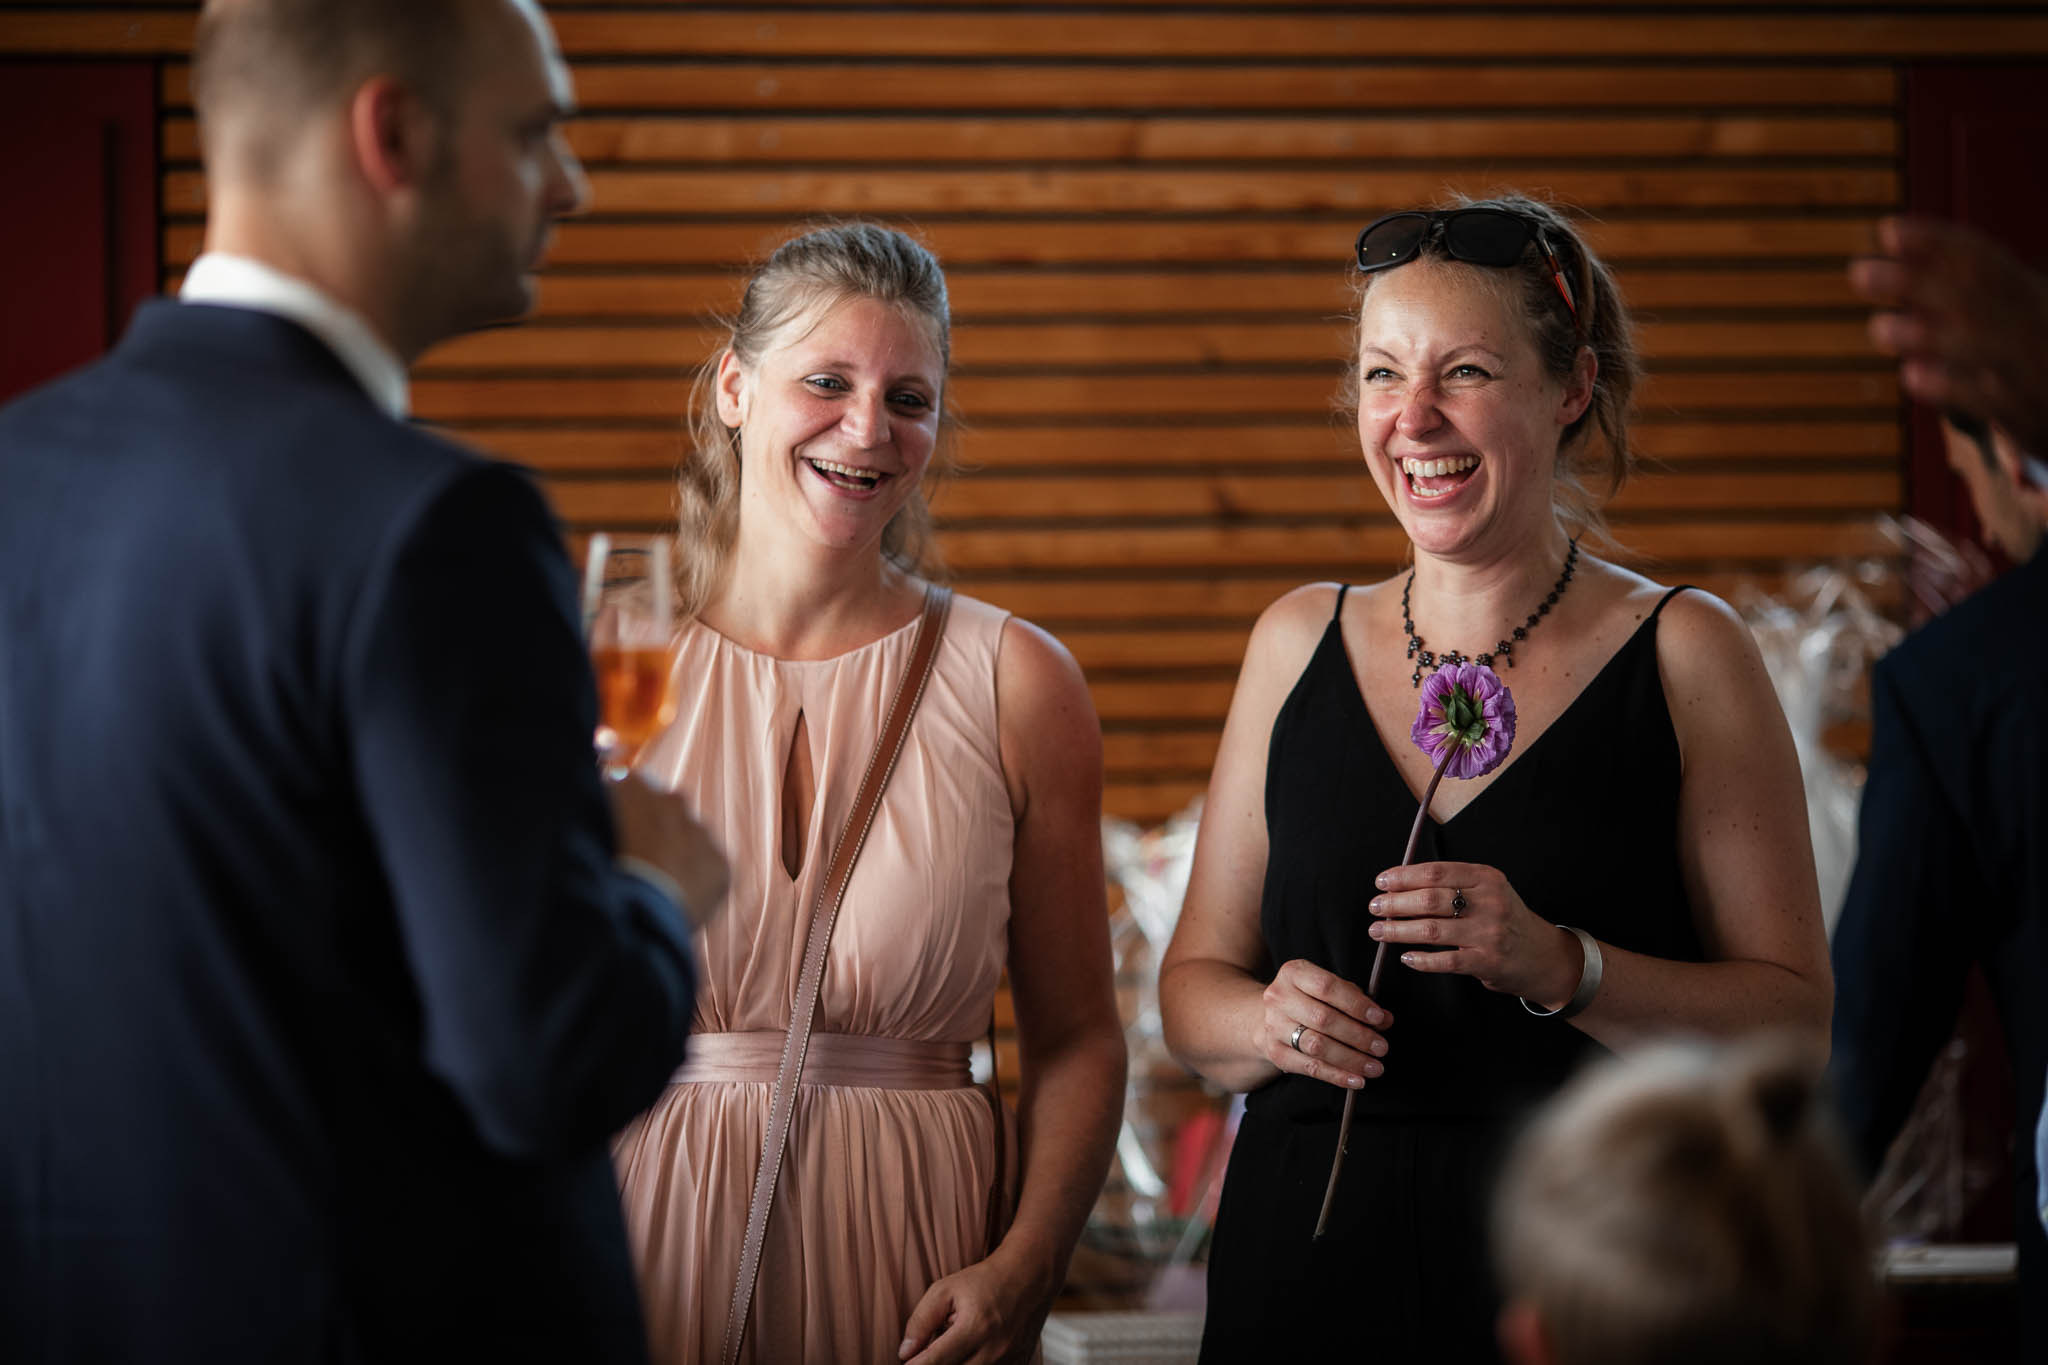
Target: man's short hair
<point>259,67</point>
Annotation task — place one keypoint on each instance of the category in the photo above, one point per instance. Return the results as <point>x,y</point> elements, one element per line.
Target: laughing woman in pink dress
<point>804,535</point>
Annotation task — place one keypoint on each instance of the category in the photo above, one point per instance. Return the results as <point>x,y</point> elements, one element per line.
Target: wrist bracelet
<point>1589,978</point>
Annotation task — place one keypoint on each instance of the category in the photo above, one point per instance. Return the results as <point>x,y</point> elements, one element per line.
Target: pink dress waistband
<point>833,1059</point>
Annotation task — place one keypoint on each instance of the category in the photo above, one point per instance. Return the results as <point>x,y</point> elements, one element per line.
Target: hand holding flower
<point>1319,1025</point>
<point>1494,938</point>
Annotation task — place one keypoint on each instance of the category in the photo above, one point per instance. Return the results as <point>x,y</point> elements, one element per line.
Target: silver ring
<point>1295,1041</point>
<point>1458,903</point>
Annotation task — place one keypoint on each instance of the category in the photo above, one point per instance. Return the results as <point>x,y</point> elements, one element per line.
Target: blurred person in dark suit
<point>1951,870</point>
<point>327,961</point>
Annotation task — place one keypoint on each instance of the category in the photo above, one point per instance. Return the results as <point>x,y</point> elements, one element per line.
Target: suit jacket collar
<point>238,345</point>
<point>239,282</point>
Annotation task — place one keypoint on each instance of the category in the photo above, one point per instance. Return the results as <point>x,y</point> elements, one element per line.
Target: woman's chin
<point>845,530</point>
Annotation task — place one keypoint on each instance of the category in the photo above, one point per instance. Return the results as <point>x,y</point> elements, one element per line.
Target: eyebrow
<point>841,363</point>
<point>1468,349</point>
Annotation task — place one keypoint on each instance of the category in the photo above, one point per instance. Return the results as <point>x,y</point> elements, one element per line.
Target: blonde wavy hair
<point>824,265</point>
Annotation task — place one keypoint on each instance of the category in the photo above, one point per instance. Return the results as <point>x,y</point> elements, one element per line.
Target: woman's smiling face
<point>1457,419</point>
<point>837,420</point>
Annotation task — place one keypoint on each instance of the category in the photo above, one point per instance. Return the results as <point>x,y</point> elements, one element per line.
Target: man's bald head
<point>261,68</point>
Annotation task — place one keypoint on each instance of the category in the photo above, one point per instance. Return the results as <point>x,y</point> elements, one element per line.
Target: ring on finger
<point>1458,902</point>
<point>1294,1039</point>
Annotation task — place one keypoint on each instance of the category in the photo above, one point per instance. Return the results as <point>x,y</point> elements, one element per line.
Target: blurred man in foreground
<point>321,986</point>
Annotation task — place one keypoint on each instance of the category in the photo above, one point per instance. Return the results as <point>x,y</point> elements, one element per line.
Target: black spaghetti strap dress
<point>1583,823</point>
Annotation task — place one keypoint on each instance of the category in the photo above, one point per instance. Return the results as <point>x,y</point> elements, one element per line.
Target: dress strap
<point>1656,611</point>
<point>1338,610</point>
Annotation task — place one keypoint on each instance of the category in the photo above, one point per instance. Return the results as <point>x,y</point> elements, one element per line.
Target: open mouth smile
<point>846,477</point>
<point>1435,478</point>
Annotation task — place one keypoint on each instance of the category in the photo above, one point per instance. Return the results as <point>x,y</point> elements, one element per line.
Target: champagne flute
<point>628,618</point>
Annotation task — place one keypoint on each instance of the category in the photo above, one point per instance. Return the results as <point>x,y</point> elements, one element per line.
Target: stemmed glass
<point>628,618</point>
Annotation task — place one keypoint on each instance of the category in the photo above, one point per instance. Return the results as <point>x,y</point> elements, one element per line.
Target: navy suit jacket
<point>320,991</point>
<point>1952,869</point>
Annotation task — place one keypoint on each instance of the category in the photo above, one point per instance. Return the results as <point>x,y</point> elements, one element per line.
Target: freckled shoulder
<point>1296,620</point>
<point>1708,657</point>
<point>1046,725</point>
<point>1289,631</point>
<point>1034,671</point>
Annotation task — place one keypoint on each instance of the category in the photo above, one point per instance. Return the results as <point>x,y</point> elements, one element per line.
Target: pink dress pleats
<point>883,1189</point>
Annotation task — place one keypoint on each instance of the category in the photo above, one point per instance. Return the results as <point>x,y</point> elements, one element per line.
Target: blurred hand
<point>976,1316</point>
<point>1968,322</point>
<point>656,827</point>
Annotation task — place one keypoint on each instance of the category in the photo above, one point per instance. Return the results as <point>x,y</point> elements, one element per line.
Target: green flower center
<point>1463,717</point>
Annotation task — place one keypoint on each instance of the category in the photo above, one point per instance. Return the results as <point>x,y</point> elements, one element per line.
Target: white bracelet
<point>1589,978</point>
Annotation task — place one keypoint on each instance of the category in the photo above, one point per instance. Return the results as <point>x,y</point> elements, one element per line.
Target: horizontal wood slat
<point>1423,34</point>
<point>1427,34</point>
<point>1361,192</point>
<point>603,141</point>
<point>684,84</point>
<point>1809,237</point>
<point>1238,191</point>
<point>1120,345</point>
<point>1393,12</point>
<point>979,295</point>
<point>1323,290</point>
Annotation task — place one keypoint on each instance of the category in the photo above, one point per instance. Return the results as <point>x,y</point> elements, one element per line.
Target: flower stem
<point>1372,988</point>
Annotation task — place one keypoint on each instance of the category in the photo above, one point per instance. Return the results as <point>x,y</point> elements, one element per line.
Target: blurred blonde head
<point>1686,1204</point>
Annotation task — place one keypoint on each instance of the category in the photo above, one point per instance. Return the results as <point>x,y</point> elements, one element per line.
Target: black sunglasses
<point>1492,237</point>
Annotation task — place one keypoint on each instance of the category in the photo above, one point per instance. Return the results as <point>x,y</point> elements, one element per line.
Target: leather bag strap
<point>993,1225</point>
<point>824,914</point>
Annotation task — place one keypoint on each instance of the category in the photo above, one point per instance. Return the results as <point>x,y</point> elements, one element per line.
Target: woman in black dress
<point>1652,802</point>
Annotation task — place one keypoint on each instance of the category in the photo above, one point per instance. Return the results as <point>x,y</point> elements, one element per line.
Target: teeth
<point>1437,469</point>
<point>847,471</point>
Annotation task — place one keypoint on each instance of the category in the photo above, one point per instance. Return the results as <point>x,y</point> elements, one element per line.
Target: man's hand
<point>656,827</point>
<point>1968,322</point>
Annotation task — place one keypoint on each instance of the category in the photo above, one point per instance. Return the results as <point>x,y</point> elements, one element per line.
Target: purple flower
<point>1468,707</point>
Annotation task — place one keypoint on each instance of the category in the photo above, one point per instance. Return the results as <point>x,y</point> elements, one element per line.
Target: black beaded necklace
<point>1505,650</point>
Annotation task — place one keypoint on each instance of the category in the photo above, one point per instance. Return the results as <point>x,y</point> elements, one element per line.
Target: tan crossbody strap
<point>804,1009</point>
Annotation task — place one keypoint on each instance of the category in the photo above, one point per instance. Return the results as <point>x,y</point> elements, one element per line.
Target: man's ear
<point>1524,1340</point>
<point>2008,459</point>
<point>393,135</point>
<point>2023,475</point>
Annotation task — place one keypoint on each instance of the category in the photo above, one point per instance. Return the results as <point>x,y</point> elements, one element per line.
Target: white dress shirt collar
<point>239,282</point>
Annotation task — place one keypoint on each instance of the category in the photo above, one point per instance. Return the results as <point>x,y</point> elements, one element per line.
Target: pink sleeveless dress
<point>891,1153</point>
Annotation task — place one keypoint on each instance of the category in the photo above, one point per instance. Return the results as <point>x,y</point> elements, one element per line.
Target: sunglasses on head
<point>1492,237</point>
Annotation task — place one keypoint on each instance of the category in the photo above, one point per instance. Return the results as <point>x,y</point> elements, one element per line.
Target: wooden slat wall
<point>1146,207</point>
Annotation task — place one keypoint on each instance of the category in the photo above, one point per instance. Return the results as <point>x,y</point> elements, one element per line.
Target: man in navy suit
<point>1952,868</point>
<point>327,961</point>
